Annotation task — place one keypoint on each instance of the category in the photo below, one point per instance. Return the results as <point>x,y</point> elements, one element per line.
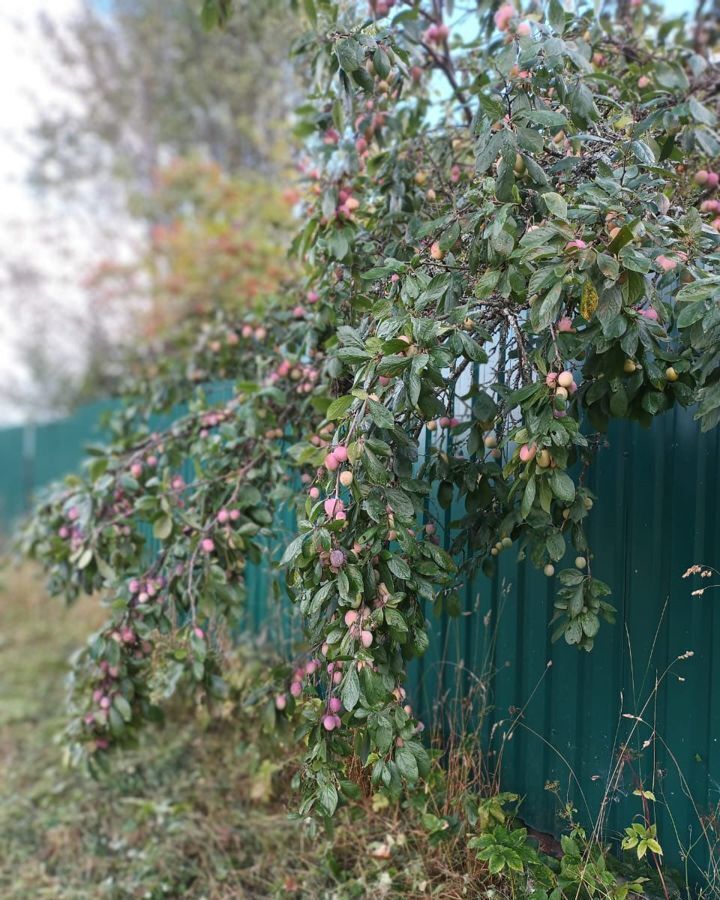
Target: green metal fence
<point>554,717</point>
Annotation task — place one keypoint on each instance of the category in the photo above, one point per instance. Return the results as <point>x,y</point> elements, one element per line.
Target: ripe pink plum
<point>207,545</point>
<point>527,452</point>
<point>366,639</point>
<point>280,702</point>
<point>331,462</point>
<point>330,723</point>
<point>136,470</point>
<point>334,506</point>
<point>223,516</point>
<point>666,263</point>
<point>340,453</point>
<point>565,324</point>
<point>334,704</point>
<point>351,617</point>
<point>296,689</point>
<point>314,493</point>
<point>504,15</point>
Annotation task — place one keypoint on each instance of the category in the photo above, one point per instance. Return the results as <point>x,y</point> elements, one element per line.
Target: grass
<point>195,812</point>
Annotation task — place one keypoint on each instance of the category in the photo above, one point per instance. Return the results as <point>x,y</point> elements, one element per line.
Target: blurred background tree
<point>146,84</point>
<point>216,246</point>
<point>157,147</point>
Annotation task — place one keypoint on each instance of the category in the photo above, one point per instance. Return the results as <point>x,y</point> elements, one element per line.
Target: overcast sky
<point>25,219</point>
<point>37,231</point>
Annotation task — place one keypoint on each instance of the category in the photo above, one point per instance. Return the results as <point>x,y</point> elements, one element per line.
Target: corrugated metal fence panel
<point>15,475</point>
<point>59,445</point>
<point>549,714</point>
<point>558,723</point>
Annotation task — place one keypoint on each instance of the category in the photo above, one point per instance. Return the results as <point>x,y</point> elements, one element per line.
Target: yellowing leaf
<point>588,301</point>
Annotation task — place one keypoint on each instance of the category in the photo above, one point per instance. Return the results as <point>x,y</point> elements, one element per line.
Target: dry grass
<point>196,812</point>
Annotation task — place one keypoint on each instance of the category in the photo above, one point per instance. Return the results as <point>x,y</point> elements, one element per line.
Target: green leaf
<point>528,498</point>
<point>555,545</point>
<point>522,394</point>
<point>563,487</point>
<point>349,54</point>
<point>556,204</point>
<point>310,11</point>
<point>699,290</point>
<point>328,797</point>
<point>701,113</point>
<point>293,550</point>
<point>381,62</point>
<point>350,691</point>
<point>339,244</point>
<point>399,568</point>
<point>123,707</point>
<point>547,117</point>
<point>395,620</point>
<point>690,314</point>
<point>489,152</point>
<point>85,558</point>
<point>162,528</point>
<point>643,153</point>
<point>608,265</point>
<point>339,408</point>
<point>407,764</point>
<point>380,414</point>
<point>556,16</point>
<point>543,313</point>
<point>624,236</point>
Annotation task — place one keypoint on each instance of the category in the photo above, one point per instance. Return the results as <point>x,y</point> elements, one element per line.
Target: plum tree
<point>461,350</point>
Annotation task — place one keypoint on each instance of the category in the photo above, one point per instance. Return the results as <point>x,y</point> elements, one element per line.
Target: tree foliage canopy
<point>487,280</point>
